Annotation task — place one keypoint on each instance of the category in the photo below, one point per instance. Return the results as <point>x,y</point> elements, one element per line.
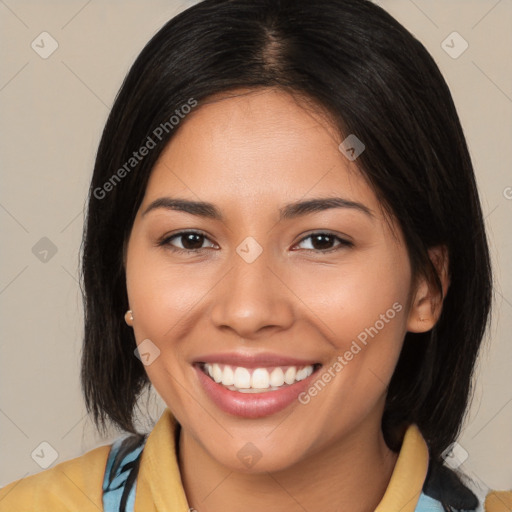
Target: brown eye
<point>191,241</point>
<point>323,242</point>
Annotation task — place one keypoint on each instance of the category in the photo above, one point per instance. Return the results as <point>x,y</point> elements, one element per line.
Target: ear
<point>427,304</point>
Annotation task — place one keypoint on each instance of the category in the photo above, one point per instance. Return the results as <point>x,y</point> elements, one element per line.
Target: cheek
<point>351,298</point>
<point>360,310</point>
<point>361,314</point>
<point>161,297</point>
<point>160,294</point>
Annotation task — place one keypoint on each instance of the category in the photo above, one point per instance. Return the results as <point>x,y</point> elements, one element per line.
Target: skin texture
<point>250,155</point>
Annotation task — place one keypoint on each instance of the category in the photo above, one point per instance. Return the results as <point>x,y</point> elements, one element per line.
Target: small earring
<point>128,317</point>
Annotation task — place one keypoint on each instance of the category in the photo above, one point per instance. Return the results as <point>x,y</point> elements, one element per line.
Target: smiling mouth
<point>256,380</point>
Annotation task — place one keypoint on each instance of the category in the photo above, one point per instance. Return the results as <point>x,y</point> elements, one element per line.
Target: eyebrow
<point>289,211</point>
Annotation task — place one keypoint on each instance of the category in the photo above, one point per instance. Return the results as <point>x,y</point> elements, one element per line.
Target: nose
<point>253,299</point>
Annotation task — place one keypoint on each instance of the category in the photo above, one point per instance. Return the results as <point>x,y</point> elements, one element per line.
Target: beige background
<point>53,111</point>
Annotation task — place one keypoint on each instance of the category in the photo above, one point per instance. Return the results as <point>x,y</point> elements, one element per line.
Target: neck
<point>352,473</point>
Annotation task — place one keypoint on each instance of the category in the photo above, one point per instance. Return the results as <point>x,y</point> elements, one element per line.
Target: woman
<point>282,220</point>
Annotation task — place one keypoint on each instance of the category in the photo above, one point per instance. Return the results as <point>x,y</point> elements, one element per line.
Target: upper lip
<point>261,360</point>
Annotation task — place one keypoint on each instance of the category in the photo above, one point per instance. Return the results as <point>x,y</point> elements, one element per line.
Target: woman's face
<point>261,284</point>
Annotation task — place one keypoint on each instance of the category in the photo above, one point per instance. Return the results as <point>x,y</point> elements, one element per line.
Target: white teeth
<point>242,378</point>
<point>301,374</point>
<point>290,374</point>
<point>228,377</point>
<point>260,379</point>
<point>217,373</point>
<point>304,373</point>
<point>277,377</point>
<point>257,379</point>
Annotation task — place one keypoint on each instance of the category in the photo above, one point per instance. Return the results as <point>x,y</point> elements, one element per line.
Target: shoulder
<point>499,501</point>
<point>75,484</point>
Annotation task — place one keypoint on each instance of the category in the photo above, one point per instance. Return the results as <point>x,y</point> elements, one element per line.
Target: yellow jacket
<point>76,485</point>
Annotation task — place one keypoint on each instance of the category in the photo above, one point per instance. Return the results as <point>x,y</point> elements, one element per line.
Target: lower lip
<point>252,405</point>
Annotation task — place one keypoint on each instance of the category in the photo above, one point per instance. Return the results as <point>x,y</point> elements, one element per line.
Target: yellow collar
<point>159,485</point>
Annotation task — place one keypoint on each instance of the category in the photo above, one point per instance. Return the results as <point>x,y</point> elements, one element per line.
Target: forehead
<point>256,147</point>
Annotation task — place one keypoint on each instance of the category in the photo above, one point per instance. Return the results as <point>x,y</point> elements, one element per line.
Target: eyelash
<point>166,242</point>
